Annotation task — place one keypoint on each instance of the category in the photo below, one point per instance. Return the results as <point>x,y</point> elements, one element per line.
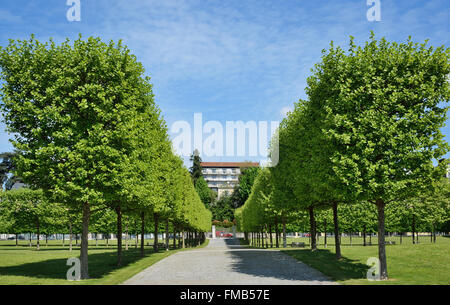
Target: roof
<point>229,164</point>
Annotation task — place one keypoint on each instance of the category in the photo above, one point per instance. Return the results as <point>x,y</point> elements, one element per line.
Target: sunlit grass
<point>25,265</point>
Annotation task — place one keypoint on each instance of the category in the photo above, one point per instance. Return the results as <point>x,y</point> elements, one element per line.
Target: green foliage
<point>223,209</point>
<point>7,168</point>
<point>196,168</point>
<point>246,180</point>
<point>204,192</point>
<point>91,137</point>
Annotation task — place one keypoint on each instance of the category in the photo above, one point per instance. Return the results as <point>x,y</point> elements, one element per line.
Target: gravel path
<point>223,262</point>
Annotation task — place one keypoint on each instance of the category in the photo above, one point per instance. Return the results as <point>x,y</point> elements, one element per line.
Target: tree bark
<point>127,237</point>
<point>336,231</point>
<point>413,224</point>
<point>434,234</point>
<point>119,235</point>
<point>38,235</point>
<point>17,240</point>
<point>277,234</point>
<point>270,233</point>
<point>167,234</point>
<point>142,233</point>
<point>262,238</point>
<point>70,236</point>
<point>183,241</point>
<point>364,235</point>
<point>284,232</point>
<point>381,240</point>
<point>137,234</point>
<point>155,241</point>
<point>325,237</point>
<point>312,225</point>
<point>84,242</point>
<point>174,236</point>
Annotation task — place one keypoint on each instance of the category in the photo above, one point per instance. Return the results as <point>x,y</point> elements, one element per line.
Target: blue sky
<point>231,60</point>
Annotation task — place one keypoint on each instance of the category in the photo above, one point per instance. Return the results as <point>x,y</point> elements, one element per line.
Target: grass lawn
<point>27,266</point>
<point>421,264</point>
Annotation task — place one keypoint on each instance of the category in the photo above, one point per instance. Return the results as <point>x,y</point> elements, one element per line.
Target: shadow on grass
<point>100,264</point>
<point>326,262</point>
<point>65,248</point>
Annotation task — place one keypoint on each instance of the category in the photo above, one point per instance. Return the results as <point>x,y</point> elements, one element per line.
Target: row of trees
<point>369,133</point>
<point>91,138</point>
<point>419,214</point>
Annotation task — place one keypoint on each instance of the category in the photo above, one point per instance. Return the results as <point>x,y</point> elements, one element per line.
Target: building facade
<point>223,177</point>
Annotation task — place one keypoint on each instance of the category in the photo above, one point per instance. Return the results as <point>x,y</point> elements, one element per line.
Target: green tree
<point>196,168</point>
<point>7,169</point>
<point>74,110</point>
<point>384,117</point>
<point>223,209</point>
<point>204,192</point>
<point>243,190</point>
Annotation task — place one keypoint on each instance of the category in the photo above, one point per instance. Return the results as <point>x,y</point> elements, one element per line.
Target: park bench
<point>297,244</point>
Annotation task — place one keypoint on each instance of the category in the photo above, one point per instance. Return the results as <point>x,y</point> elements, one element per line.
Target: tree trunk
<point>127,237</point>
<point>119,235</point>
<point>137,234</point>
<point>413,224</point>
<point>284,232</point>
<point>183,241</point>
<point>84,242</point>
<point>30,240</point>
<point>381,241</point>
<point>155,241</point>
<point>325,229</point>
<point>431,236</point>
<point>270,233</point>
<point>70,236</point>
<point>277,234</point>
<point>434,234</point>
<point>312,226</point>
<point>38,235</point>
<point>63,240</point>
<point>336,231</point>
<point>142,233</point>
<point>364,235</point>
<point>174,236</point>
<point>17,240</point>
<point>167,234</point>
